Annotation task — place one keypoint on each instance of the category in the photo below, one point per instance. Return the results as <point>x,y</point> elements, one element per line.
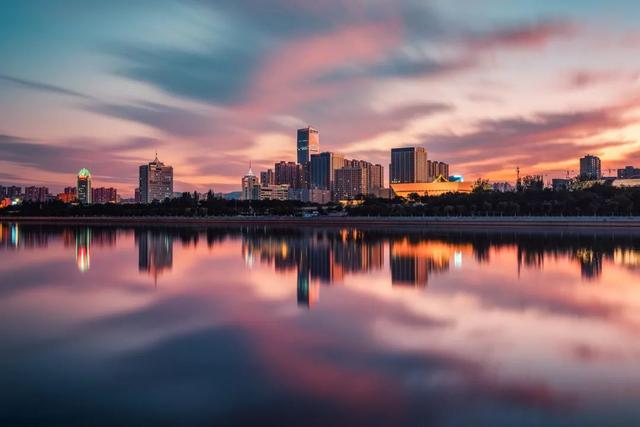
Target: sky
<point>214,85</point>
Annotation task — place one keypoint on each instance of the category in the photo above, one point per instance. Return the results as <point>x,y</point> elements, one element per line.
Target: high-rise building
<point>156,181</point>
<point>36,194</point>
<point>629,172</point>
<point>375,178</point>
<point>13,191</point>
<point>84,186</point>
<point>267,177</point>
<point>436,169</point>
<point>590,167</point>
<point>350,182</point>
<point>289,173</point>
<point>69,195</point>
<point>323,167</point>
<point>408,165</point>
<point>105,195</point>
<point>308,144</point>
<point>250,187</point>
<point>3,192</point>
<point>374,174</point>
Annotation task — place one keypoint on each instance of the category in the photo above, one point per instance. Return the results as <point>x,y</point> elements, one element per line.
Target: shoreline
<point>425,223</point>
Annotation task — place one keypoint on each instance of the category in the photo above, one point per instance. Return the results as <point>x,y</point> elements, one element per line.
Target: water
<point>195,326</point>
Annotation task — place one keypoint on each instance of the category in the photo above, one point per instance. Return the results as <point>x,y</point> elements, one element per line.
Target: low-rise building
<point>430,188</point>
<point>274,192</point>
<point>310,195</point>
<point>560,184</point>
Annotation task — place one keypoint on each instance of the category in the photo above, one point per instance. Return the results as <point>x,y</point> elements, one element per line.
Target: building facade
<point>560,184</point>
<point>84,186</point>
<point>250,187</point>
<point>323,167</point>
<point>408,165</point>
<point>590,167</point>
<point>431,188</point>
<point>274,192</point>
<point>350,182</point>
<point>375,178</point>
<point>310,195</point>
<point>155,181</point>
<point>69,195</point>
<point>308,144</point>
<point>104,195</point>
<point>436,169</point>
<point>629,172</point>
<point>267,177</point>
<point>36,194</point>
<point>13,191</point>
<point>289,173</point>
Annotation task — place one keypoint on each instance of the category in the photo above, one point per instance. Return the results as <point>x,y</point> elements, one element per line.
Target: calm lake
<point>196,326</point>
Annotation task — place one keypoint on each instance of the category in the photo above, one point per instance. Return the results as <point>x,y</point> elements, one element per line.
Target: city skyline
<point>103,87</point>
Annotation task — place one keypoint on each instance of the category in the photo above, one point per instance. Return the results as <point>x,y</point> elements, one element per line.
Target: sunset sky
<point>212,85</point>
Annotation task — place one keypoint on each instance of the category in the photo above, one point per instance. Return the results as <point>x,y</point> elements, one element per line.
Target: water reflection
<point>328,256</point>
<point>155,252</point>
<point>83,249</point>
<point>256,326</point>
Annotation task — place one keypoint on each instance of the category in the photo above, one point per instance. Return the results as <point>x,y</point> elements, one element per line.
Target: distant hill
<point>234,195</point>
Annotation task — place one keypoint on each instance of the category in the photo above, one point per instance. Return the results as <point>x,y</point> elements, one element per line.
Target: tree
<point>414,197</point>
<point>532,183</point>
<point>481,185</point>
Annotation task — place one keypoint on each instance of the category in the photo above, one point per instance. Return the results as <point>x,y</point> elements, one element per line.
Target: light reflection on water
<point>210,326</point>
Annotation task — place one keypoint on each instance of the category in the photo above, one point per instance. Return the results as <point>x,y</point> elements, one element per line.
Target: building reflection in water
<point>328,256</point>
<point>155,252</point>
<point>627,258</point>
<point>590,263</point>
<point>318,257</point>
<point>83,249</point>
<point>413,262</point>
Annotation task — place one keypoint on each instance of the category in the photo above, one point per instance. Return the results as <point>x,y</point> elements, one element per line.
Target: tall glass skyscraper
<point>308,144</point>
<point>156,181</point>
<point>323,167</point>
<point>84,186</point>
<point>408,165</point>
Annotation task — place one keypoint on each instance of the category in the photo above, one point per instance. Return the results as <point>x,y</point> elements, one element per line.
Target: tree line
<point>600,200</point>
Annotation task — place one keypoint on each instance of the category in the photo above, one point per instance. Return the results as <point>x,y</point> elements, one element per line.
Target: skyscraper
<point>105,195</point>
<point>350,181</point>
<point>375,178</point>
<point>289,173</point>
<point>590,167</point>
<point>250,187</point>
<point>13,191</point>
<point>84,186</point>
<point>156,181</point>
<point>308,144</point>
<point>36,194</point>
<point>267,177</point>
<point>408,165</point>
<point>323,167</point>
